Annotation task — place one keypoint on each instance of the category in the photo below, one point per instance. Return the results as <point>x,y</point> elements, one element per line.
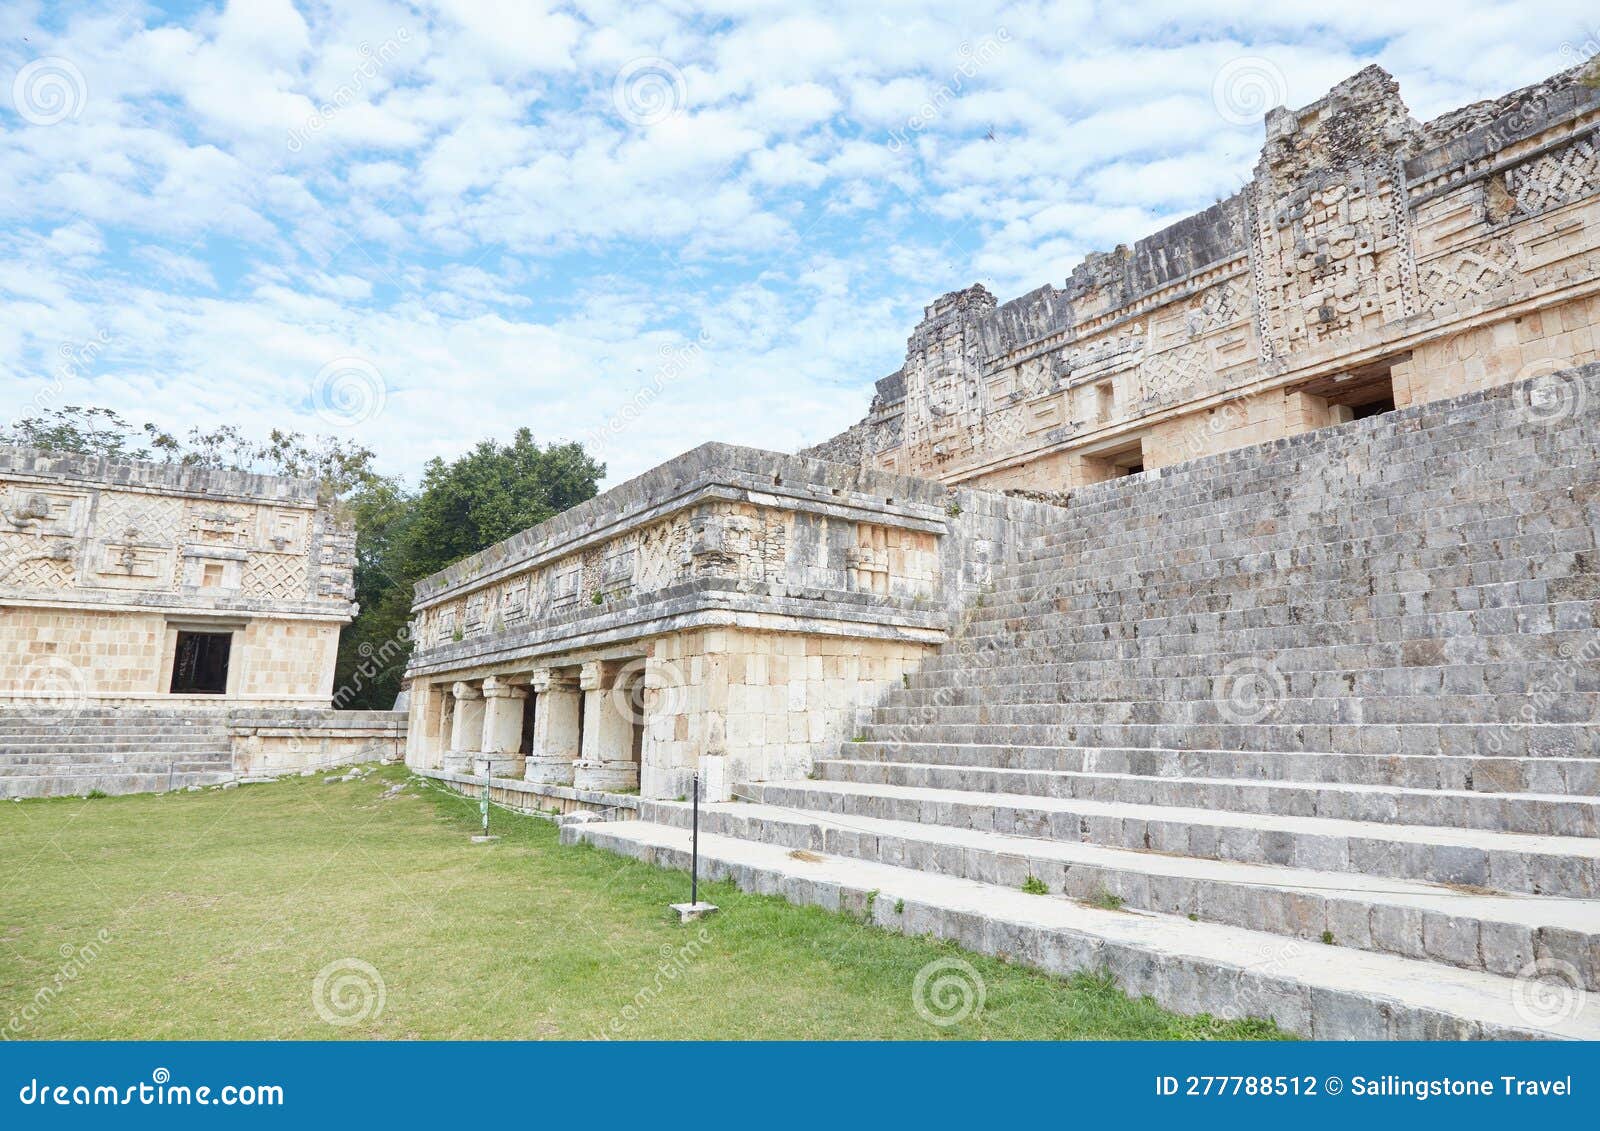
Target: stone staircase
<point>1304,731</point>
<point>111,750</point>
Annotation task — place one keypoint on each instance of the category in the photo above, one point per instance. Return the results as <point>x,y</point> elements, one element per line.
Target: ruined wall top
<point>669,484</point>
<point>726,536</point>
<point>168,478</point>
<point>87,531</point>
<point>1358,221</point>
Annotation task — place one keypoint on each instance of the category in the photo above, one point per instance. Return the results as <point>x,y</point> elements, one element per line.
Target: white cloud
<point>452,192</point>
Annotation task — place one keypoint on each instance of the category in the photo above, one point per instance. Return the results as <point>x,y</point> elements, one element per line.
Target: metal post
<point>483,808</point>
<point>694,909</point>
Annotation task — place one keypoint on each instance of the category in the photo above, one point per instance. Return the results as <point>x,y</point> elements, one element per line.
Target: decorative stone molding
<point>729,535</point>
<point>1362,233</point>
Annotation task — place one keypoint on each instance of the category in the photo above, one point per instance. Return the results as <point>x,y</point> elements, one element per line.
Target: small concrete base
<point>481,839</point>
<point>689,912</point>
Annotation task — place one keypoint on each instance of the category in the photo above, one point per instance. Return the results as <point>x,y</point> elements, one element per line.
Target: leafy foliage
<point>343,466</point>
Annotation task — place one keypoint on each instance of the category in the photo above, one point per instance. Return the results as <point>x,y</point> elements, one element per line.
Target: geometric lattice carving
<point>1465,275</point>
<point>1218,306</point>
<point>35,563</point>
<point>276,577</point>
<point>142,519</point>
<point>1172,371</point>
<point>1553,179</point>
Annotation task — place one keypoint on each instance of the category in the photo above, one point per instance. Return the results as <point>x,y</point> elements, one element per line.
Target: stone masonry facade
<point>1225,618</point>
<point>729,612</point>
<point>141,585</point>
<point>1372,261</point>
<point>732,611</point>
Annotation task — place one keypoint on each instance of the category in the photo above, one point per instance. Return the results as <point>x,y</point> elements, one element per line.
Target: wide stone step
<point>1495,932</point>
<point>1515,862</point>
<point>1180,513</point>
<point>1418,541</point>
<point>1495,532</point>
<point>1208,707</point>
<point>1469,666</point>
<point>1549,546</point>
<point>70,785</point>
<point>1578,776</point>
<point>1495,637</point>
<point>31,750</point>
<point>1542,814</point>
<point>1151,679</point>
<point>1329,992</point>
<point>1481,575</point>
<point>148,764</point>
<point>1497,740</point>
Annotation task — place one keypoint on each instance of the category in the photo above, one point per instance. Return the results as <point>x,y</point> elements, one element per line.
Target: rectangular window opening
<point>200,663</point>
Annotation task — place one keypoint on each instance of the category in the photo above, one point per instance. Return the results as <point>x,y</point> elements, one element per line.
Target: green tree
<point>474,501</point>
<point>489,494</point>
<point>85,430</point>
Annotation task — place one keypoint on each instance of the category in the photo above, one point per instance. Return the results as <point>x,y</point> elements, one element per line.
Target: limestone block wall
<point>272,741</point>
<point>729,610</point>
<point>755,706</point>
<point>126,657</point>
<point>1371,257</point>
<point>288,660</point>
<point>103,563</point>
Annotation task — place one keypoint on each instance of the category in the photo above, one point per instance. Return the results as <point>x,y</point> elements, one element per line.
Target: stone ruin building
<point>1242,590</point>
<point>166,626</point>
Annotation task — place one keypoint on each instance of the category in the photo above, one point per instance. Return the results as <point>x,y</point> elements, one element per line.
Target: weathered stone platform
<point>1317,718</point>
<point>134,750</point>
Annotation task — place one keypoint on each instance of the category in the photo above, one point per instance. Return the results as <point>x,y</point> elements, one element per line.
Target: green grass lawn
<point>212,914</point>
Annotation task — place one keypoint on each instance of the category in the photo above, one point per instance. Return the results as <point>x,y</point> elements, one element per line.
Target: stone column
<point>607,760</point>
<point>503,704</point>
<point>466,731</point>
<point>555,728</point>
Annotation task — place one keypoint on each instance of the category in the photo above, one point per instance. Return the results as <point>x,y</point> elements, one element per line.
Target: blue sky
<point>637,226</point>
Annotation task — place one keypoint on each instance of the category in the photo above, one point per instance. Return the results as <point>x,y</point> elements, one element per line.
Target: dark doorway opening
<point>529,721</point>
<point>1365,391</point>
<point>1372,408</point>
<point>200,664</point>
